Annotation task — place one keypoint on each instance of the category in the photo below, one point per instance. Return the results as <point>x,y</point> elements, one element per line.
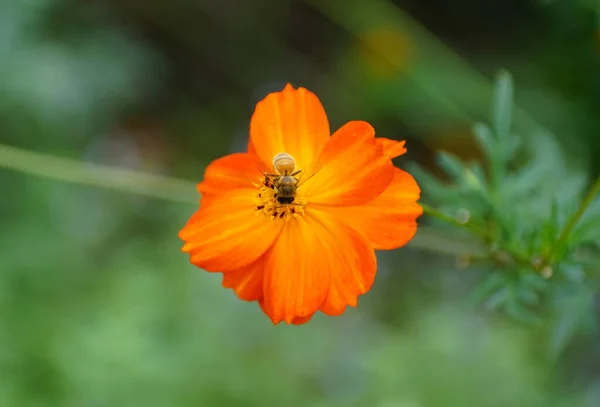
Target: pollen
<point>267,204</point>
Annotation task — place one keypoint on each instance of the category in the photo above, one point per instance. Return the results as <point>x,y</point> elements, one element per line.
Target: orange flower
<point>299,236</point>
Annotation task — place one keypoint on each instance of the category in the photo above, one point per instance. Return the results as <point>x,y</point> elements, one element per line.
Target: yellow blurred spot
<point>463,262</point>
<point>385,51</point>
<point>463,216</point>
<point>547,272</point>
<point>537,262</point>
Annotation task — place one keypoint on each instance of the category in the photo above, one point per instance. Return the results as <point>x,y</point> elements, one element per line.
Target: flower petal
<point>227,234</point>
<point>389,221</point>
<point>351,170</point>
<point>238,170</point>
<point>291,121</point>
<point>391,148</point>
<point>295,321</point>
<point>302,320</point>
<point>247,282</point>
<point>297,274</point>
<point>354,270</point>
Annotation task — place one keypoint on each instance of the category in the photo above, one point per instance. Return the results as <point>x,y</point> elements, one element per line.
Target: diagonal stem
<point>452,220</point>
<point>97,175</point>
<point>566,232</point>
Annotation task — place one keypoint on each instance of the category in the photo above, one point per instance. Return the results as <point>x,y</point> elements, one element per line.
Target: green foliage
<point>521,201</point>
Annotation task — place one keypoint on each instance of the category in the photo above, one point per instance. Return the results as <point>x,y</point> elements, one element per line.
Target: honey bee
<point>284,180</point>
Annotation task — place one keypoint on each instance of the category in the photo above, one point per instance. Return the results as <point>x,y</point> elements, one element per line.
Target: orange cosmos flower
<point>294,222</point>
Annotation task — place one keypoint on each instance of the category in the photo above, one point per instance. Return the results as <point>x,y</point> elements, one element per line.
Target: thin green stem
<point>97,175</point>
<point>566,232</point>
<point>454,221</point>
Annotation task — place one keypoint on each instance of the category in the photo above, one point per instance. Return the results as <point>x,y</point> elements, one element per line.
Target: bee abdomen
<point>284,163</point>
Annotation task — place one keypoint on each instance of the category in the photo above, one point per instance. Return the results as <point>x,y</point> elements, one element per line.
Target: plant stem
<point>98,175</point>
<point>564,235</point>
<point>452,220</point>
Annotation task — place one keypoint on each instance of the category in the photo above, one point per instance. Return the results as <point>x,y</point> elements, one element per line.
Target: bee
<point>284,180</point>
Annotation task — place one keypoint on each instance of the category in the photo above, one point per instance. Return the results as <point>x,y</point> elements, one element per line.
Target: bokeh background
<point>98,307</point>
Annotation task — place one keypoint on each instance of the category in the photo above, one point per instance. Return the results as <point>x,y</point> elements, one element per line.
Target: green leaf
<point>478,172</point>
<point>452,165</point>
<point>492,283</point>
<point>502,105</point>
<point>535,281</point>
<point>513,145</point>
<point>485,138</point>
<point>520,313</point>
<point>499,299</point>
<point>527,296</point>
<point>435,189</point>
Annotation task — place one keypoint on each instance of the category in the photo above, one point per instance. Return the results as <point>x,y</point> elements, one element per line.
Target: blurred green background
<point>98,307</point>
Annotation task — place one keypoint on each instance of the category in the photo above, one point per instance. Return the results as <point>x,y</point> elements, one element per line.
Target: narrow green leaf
<point>520,313</point>
<point>485,139</point>
<point>535,281</point>
<point>435,189</point>
<point>478,172</point>
<point>484,290</point>
<point>499,299</point>
<point>513,146</point>
<point>527,296</point>
<point>502,105</point>
<point>452,165</point>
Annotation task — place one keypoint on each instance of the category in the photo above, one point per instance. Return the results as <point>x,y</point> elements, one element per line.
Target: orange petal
<point>354,271</point>
<point>389,221</point>
<point>227,234</point>
<point>317,262</point>
<point>302,320</point>
<point>295,321</point>
<point>291,121</point>
<point>391,148</point>
<point>247,282</point>
<point>238,170</point>
<point>351,170</point>
<point>297,273</point>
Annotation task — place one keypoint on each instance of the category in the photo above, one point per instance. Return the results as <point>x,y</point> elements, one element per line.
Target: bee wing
<point>302,179</point>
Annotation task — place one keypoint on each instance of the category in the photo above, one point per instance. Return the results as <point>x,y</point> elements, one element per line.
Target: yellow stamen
<point>267,204</point>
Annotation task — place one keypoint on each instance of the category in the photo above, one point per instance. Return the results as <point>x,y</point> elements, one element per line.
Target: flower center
<point>278,198</point>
